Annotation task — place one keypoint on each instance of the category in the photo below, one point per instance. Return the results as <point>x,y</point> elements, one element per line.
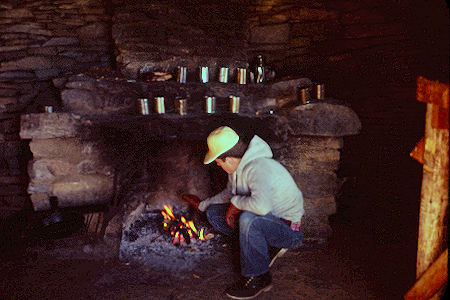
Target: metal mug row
<point>304,93</point>
<point>181,105</point>
<point>241,75</point>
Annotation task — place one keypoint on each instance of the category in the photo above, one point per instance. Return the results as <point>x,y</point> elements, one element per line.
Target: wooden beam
<point>429,91</point>
<point>431,281</point>
<point>434,195</point>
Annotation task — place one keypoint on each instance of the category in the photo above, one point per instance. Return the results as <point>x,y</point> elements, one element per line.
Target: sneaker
<point>250,287</point>
<point>275,253</point>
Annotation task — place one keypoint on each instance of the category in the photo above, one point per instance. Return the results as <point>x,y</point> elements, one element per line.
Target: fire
<point>183,232</point>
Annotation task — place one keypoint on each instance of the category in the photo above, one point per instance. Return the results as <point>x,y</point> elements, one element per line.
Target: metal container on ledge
<point>303,94</point>
<point>234,104</point>
<point>223,75</point>
<point>318,91</point>
<point>210,104</point>
<point>181,74</point>
<point>159,105</point>
<point>241,76</point>
<point>204,74</point>
<point>48,109</point>
<point>181,106</point>
<point>142,106</point>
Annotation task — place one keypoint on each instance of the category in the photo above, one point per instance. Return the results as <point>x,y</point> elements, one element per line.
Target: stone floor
<point>353,266</point>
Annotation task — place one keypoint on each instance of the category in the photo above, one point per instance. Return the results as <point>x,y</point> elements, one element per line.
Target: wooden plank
<point>429,91</point>
<point>431,281</point>
<point>418,151</point>
<point>434,195</point>
<point>439,118</point>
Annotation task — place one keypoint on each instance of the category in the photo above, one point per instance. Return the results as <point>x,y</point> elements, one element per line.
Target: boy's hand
<point>192,200</point>
<point>232,215</point>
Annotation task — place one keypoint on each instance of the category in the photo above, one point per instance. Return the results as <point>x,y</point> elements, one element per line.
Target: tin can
<point>142,106</point>
<point>210,104</point>
<point>204,74</point>
<point>223,75</point>
<point>181,106</point>
<point>241,76</point>
<point>159,105</point>
<point>303,94</point>
<point>48,108</point>
<point>234,104</point>
<point>318,91</point>
<point>181,74</point>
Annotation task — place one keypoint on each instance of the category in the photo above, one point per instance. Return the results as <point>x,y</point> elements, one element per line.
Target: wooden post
<point>434,194</point>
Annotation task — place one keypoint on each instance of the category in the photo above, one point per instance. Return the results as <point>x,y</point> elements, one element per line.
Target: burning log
<point>182,231</point>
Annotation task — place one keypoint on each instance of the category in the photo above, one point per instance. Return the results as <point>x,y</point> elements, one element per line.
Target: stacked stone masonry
<point>44,44</point>
<point>40,41</point>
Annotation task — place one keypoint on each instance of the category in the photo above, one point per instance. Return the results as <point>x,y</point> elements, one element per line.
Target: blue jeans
<point>256,234</point>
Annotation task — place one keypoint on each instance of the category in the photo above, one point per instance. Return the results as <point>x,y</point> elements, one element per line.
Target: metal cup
<point>204,74</point>
<point>48,108</point>
<point>319,91</point>
<point>181,74</point>
<point>223,75</point>
<point>159,105</point>
<point>210,104</point>
<point>142,106</point>
<point>303,95</point>
<point>241,75</point>
<point>234,104</point>
<point>181,106</point>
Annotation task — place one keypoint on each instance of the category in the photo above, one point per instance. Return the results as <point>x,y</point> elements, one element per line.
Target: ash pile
<point>168,240</point>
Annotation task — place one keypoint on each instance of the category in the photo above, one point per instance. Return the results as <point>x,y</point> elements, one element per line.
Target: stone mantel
<point>322,118</point>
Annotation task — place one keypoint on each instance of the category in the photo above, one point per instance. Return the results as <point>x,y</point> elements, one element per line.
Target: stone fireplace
<point>98,151</point>
<point>93,62</point>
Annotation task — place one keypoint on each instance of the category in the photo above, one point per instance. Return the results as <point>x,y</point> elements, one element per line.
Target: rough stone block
<point>48,169</point>
<point>40,201</point>
<point>324,119</point>
<point>10,148</point>
<point>303,14</point>
<point>270,34</point>
<point>26,63</point>
<point>94,166</point>
<point>44,126</point>
<point>8,100</point>
<point>38,188</point>
<point>83,190</point>
<point>61,41</point>
<point>316,184</point>
<point>16,13</point>
<point>69,148</point>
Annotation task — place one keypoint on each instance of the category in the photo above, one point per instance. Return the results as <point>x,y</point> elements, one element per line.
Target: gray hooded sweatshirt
<point>261,185</point>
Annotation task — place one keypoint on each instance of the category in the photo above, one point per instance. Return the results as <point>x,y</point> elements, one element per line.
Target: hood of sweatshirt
<point>257,148</point>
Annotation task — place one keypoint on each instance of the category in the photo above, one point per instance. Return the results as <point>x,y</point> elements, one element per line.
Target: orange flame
<point>201,235</point>
<point>169,211</point>
<point>192,226</point>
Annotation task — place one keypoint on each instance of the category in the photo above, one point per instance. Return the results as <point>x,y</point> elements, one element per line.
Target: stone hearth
<point>96,150</point>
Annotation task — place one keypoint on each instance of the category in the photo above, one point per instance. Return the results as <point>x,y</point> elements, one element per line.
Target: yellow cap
<point>219,141</point>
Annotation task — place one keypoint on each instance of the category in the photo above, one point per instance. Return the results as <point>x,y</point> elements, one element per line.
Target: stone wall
<point>159,36</point>
<point>39,42</point>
